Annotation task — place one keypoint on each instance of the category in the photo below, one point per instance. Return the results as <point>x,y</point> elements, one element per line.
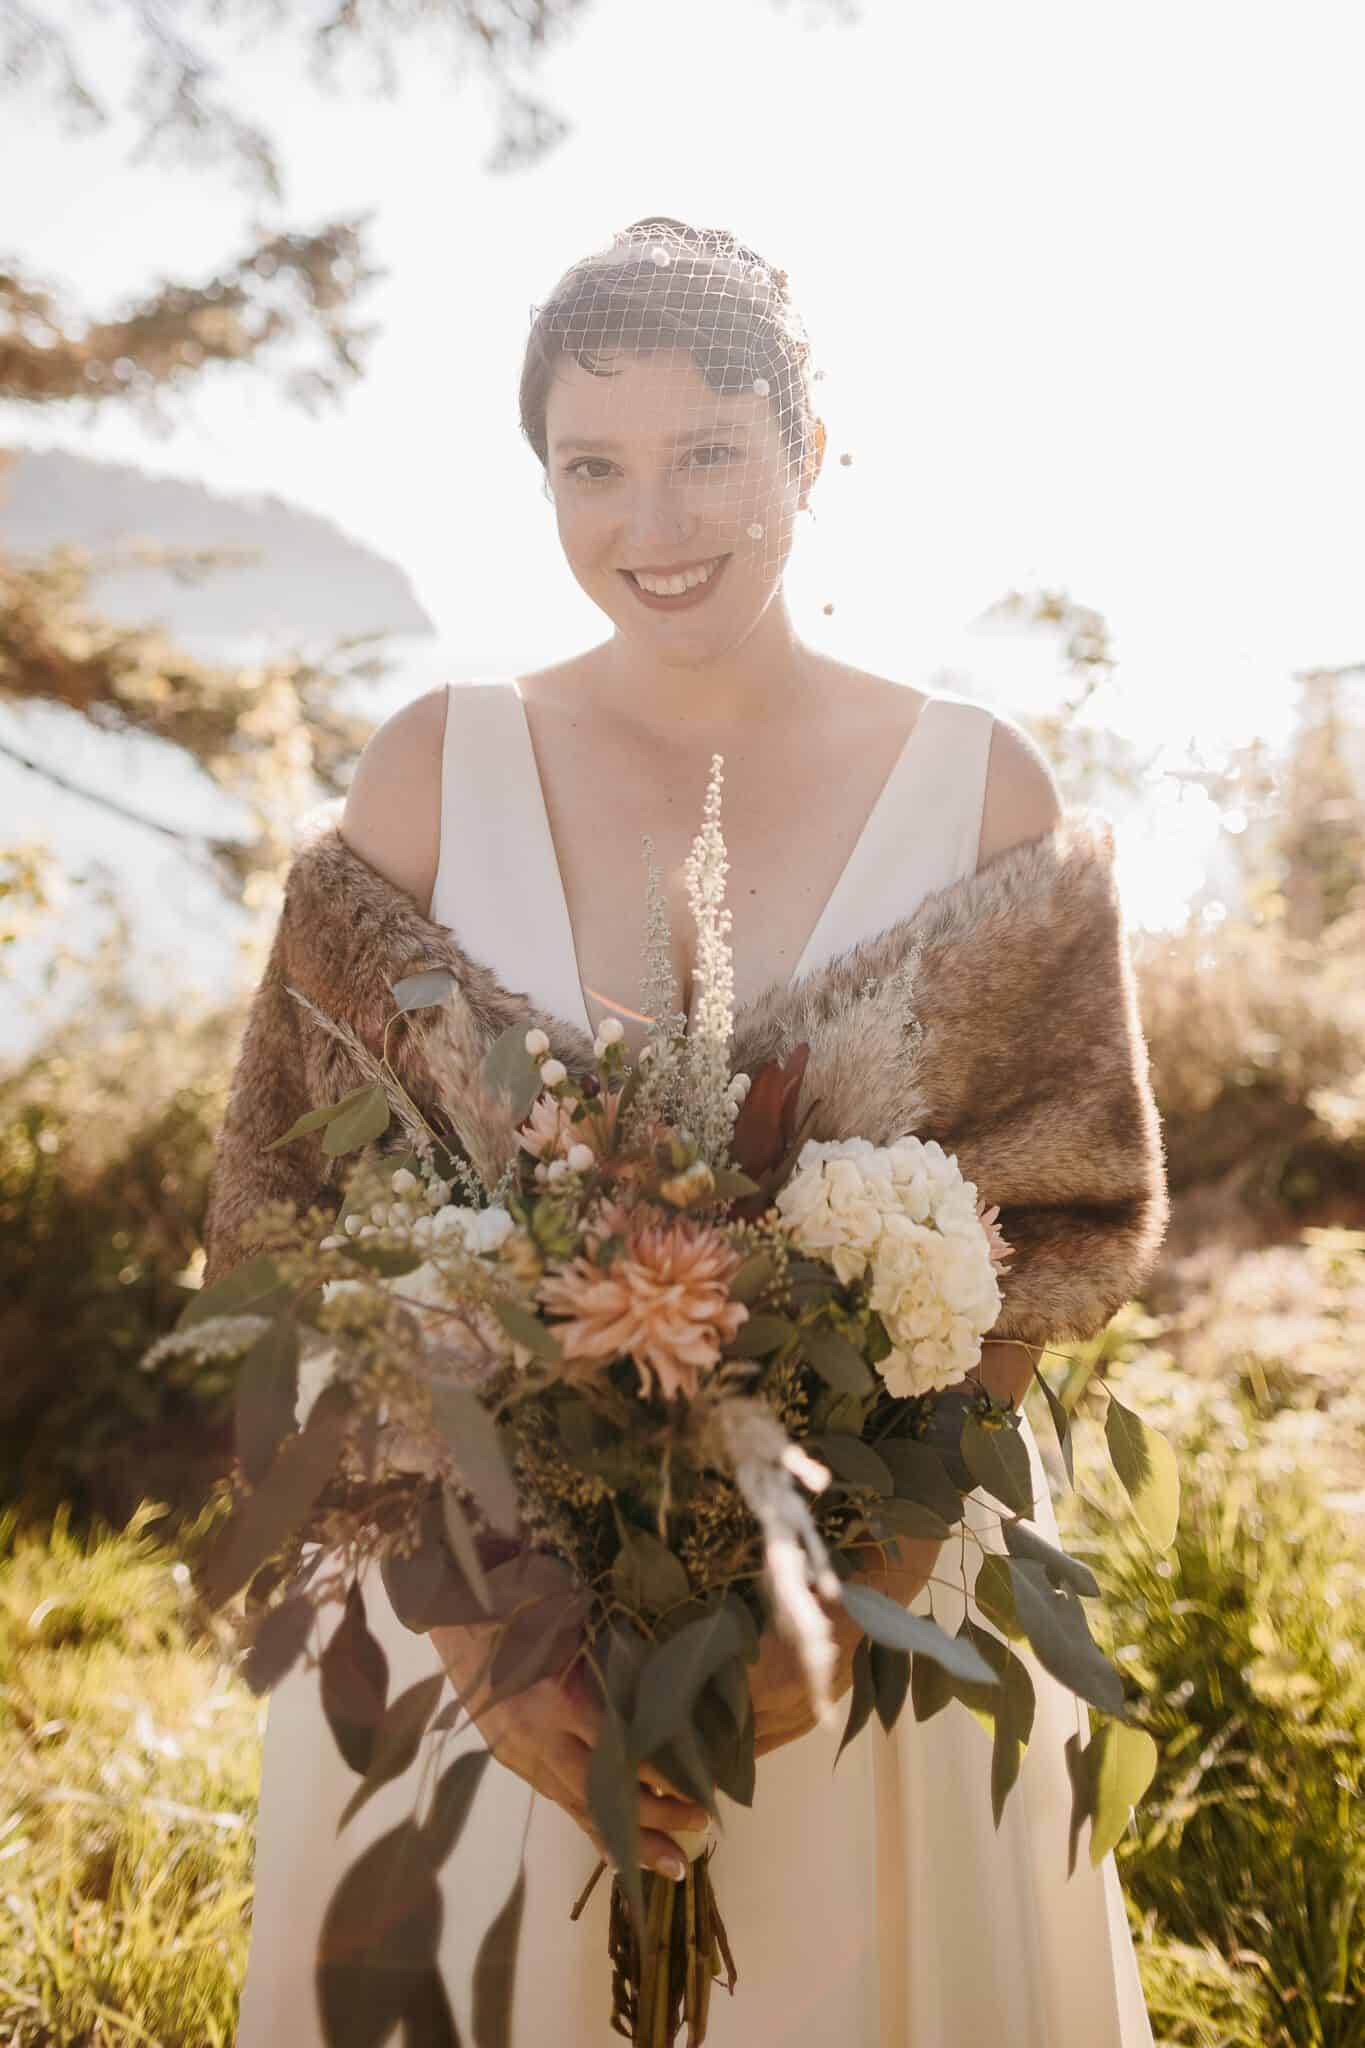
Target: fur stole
<point>1000,1018</point>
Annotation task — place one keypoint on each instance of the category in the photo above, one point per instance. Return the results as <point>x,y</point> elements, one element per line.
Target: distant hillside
<point>310,579</point>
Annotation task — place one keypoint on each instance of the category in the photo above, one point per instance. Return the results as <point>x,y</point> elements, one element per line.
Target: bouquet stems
<point>663,1982</point>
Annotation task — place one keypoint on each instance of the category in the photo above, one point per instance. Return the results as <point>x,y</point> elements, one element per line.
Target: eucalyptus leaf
<point>1022,1540</point>
<point>1123,1769</point>
<point>276,1508</point>
<point>993,1592</point>
<point>752,1276</point>
<point>425,1585</point>
<point>919,1473</point>
<point>730,1684</point>
<point>851,1460</point>
<point>360,1123</point>
<point>981,1701</point>
<point>397,1742</point>
<point>674,1674</point>
<point>425,990</point>
<point>463,1546</point>
<point>759,1337</point>
<point>862,1699</point>
<point>537,1643</point>
<point>886,1621</point>
<point>507,1065</point>
<point>252,1289</point>
<point>316,1119</point>
<point>476,1443</point>
<point>1056,1628</point>
<point>1013,1726</point>
<point>893,1517</point>
<point>1146,1464</point>
<point>646,1575</point>
<point>528,1329</point>
<point>722,1744</point>
<point>890,1680</point>
<point>614,1803</point>
<point>1061,1422</point>
<point>998,1461</point>
<point>931,1688</point>
<point>266,1394</point>
<point>839,1363</point>
<point>684,1763</point>
<point>626,1650</point>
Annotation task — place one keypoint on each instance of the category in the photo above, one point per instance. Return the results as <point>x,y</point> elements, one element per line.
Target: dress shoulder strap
<point>497,888</point>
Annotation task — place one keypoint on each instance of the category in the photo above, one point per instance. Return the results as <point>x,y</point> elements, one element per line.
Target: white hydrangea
<point>904,1216</point>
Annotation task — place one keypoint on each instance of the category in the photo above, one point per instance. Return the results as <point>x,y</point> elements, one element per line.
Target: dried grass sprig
<point>766,1464</point>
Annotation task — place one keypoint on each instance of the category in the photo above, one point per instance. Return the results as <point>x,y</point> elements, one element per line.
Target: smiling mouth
<point>684,598</point>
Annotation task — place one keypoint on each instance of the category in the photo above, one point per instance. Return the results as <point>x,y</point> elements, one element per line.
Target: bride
<point>667,395</point>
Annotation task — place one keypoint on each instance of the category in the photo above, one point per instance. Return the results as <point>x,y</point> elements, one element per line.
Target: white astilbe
<point>659,987</point>
<point>708,1110</point>
<point>658,1089</point>
<point>766,1463</point>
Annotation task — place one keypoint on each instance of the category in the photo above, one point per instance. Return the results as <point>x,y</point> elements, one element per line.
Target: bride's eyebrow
<point>732,425</point>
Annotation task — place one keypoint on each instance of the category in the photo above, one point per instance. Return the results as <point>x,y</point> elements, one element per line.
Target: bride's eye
<point>572,469</point>
<point>575,468</point>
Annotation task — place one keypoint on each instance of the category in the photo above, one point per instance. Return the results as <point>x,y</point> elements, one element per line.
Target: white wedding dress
<point>875,1906</point>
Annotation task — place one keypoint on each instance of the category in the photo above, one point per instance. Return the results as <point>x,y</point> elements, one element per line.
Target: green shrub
<point>1246,1861</point>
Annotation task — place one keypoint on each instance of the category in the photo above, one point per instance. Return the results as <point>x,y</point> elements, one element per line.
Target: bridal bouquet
<point>627,1371</point>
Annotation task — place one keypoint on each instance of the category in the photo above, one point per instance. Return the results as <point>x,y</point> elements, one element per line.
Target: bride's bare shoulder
<point>392,813</point>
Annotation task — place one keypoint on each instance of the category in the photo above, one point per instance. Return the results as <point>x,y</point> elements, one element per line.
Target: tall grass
<point>129,1760</point>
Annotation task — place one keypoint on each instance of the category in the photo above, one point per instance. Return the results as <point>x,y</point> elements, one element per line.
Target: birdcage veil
<point>694,365</point>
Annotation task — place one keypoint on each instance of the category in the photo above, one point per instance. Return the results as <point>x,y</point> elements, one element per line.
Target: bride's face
<point>653,470</point>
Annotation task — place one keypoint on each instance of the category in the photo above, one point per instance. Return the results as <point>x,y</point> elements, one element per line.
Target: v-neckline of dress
<point>833,902</point>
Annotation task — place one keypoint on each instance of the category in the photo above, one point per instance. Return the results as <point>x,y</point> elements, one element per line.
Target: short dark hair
<point>721,302</point>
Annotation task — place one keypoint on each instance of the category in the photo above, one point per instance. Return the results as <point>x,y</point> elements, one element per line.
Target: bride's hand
<point>547,1733</point>
<point>777,1683</point>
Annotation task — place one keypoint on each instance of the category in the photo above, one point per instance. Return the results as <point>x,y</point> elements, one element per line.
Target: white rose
<point>537,1043</point>
<point>582,1158</point>
<point>611,1029</point>
<point>404,1181</point>
<point>552,1072</point>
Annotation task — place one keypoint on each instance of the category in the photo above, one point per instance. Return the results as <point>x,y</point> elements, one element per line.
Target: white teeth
<point>674,586</point>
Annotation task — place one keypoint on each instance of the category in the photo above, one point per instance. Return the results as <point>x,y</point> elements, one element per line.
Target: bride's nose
<point>659,523</point>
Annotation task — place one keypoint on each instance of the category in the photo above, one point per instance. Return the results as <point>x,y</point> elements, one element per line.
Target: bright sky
<point>1081,280</point>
